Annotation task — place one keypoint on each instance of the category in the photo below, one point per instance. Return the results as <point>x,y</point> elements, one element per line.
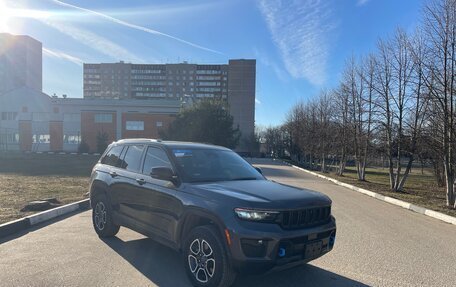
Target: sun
<point>5,15</point>
<point>9,14</point>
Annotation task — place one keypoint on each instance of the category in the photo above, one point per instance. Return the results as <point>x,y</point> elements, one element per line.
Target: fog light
<point>282,252</point>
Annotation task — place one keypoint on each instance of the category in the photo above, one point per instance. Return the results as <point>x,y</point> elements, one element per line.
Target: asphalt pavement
<point>377,244</point>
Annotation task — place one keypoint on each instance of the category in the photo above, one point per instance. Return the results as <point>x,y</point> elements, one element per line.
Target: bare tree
<point>367,77</point>
<point>439,28</point>
<point>341,120</point>
<point>416,104</point>
<point>398,102</point>
<point>402,68</point>
<point>323,127</point>
<point>383,87</point>
<point>357,84</point>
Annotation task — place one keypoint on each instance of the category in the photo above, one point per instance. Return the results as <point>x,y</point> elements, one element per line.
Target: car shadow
<point>164,267</point>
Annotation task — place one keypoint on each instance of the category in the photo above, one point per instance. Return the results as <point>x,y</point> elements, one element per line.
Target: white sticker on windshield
<point>182,152</point>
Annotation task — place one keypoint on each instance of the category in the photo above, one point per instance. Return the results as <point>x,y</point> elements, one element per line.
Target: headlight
<point>256,215</point>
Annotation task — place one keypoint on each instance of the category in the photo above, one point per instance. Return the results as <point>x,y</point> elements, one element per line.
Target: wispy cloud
<point>94,41</point>
<point>362,2</point>
<point>257,101</point>
<point>134,26</point>
<point>302,32</point>
<point>265,60</point>
<point>63,56</point>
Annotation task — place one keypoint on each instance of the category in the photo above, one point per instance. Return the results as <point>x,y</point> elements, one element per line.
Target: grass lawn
<point>420,189</point>
<point>28,177</point>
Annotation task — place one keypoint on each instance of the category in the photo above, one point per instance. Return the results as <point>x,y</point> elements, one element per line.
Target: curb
<point>394,201</point>
<point>21,224</point>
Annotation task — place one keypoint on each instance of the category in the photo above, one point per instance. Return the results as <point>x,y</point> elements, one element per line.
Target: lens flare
<point>4,17</point>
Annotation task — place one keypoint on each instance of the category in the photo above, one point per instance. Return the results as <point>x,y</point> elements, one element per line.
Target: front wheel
<point>206,260</point>
<point>102,217</point>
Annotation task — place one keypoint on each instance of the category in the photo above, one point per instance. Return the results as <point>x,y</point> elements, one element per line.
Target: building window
<point>9,116</point>
<point>72,117</point>
<point>72,139</point>
<point>41,138</point>
<point>40,117</point>
<point>134,126</point>
<point>9,138</point>
<point>159,124</point>
<point>103,118</point>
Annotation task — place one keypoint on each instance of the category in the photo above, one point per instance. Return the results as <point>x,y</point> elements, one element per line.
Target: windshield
<point>206,165</point>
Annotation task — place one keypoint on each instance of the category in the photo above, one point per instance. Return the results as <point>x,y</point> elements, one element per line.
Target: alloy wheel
<point>201,260</point>
<point>100,215</point>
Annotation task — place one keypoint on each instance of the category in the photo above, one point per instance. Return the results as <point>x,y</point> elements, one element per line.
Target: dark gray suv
<point>210,204</point>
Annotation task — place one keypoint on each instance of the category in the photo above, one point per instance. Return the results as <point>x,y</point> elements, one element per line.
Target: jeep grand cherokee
<point>210,204</point>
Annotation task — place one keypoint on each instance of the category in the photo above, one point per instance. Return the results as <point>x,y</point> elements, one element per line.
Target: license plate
<point>313,249</point>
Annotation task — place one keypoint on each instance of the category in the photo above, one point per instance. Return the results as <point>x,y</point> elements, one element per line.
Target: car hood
<point>260,194</point>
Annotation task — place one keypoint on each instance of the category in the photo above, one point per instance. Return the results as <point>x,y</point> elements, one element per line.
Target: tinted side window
<point>132,159</point>
<point>113,156</point>
<point>155,157</point>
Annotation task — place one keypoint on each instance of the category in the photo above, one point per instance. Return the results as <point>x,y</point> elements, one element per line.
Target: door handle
<point>113,174</point>
<point>141,181</point>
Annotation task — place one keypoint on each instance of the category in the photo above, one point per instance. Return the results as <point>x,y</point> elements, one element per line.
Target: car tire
<point>206,260</point>
<point>102,217</point>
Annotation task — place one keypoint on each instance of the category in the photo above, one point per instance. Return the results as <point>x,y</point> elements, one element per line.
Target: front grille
<point>302,218</point>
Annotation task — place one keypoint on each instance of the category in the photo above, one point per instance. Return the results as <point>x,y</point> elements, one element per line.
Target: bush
<point>83,147</point>
<point>102,141</point>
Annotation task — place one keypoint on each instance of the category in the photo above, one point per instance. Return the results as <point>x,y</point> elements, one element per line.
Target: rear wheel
<point>206,260</point>
<point>102,217</point>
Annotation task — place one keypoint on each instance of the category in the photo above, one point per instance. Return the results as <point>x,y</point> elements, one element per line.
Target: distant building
<point>20,63</point>
<point>120,100</point>
<point>33,121</point>
<point>233,82</point>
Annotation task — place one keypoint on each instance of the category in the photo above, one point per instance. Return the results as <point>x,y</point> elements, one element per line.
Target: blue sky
<point>300,45</point>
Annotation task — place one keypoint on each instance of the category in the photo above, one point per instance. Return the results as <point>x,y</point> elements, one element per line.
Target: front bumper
<point>257,251</point>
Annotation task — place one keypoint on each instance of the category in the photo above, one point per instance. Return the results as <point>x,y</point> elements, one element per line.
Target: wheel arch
<point>97,188</point>
<point>196,217</point>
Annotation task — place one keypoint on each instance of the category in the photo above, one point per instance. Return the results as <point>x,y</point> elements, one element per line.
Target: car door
<point>160,207</point>
<point>111,167</point>
<point>126,193</point>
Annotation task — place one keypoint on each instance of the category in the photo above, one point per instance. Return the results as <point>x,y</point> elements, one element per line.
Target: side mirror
<point>258,169</point>
<point>163,173</point>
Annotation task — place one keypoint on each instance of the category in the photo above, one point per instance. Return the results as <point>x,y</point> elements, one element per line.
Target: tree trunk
<point>406,174</point>
<point>449,182</point>
<point>391,172</point>
<point>362,176</point>
<point>360,169</point>
<point>454,197</point>
<point>342,163</point>
<point>323,163</point>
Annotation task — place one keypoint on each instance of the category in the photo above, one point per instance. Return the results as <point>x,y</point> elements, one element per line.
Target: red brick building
<point>33,121</point>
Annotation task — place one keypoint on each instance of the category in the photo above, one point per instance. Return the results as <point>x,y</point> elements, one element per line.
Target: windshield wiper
<point>206,180</point>
<point>245,178</point>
